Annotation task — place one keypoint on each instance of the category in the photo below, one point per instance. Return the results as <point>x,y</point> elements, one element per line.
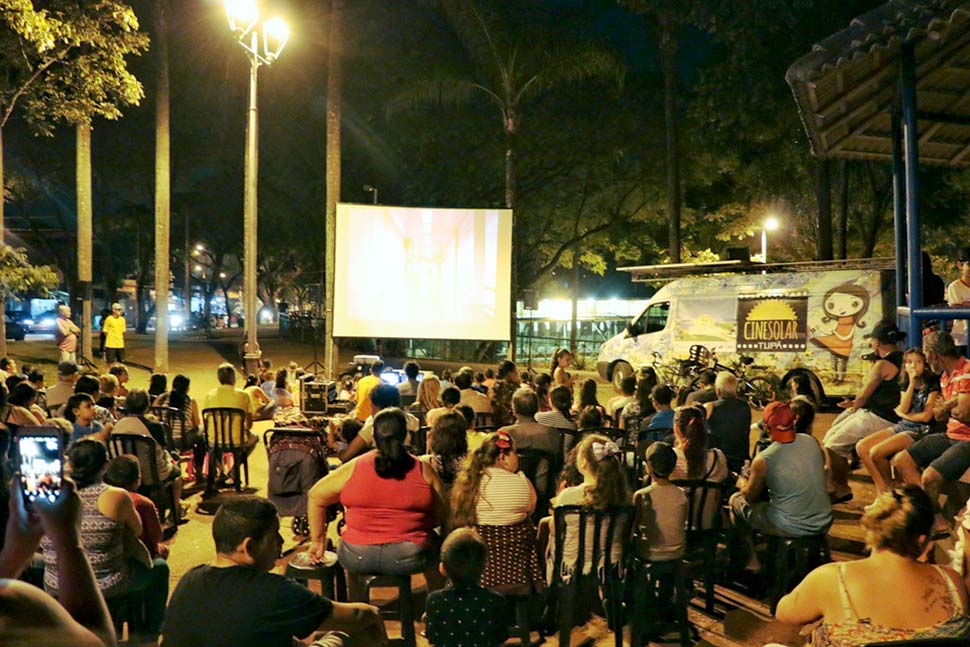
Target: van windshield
<point>653,319</point>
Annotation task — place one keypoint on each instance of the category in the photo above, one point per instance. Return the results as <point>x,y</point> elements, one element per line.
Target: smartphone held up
<point>41,464</point>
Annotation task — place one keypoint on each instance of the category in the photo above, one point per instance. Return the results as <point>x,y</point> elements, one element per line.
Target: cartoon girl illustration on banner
<point>843,307</point>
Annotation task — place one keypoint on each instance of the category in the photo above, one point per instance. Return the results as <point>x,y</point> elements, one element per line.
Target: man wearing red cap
<point>792,468</point>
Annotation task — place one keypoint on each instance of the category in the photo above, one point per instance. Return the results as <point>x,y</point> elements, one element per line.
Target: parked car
<point>42,323</point>
<point>15,331</point>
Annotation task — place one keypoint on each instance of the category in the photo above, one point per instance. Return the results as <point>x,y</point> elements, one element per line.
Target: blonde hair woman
<point>890,595</point>
<point>429,394</point>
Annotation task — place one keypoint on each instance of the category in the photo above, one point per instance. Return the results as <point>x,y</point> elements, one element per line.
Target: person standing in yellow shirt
<point>114,331</point>
<point>365,386</point>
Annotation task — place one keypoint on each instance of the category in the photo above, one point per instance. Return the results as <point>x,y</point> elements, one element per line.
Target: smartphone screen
<point>41,466</point>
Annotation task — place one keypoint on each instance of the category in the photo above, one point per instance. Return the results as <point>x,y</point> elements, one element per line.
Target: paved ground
<point>739,621</point>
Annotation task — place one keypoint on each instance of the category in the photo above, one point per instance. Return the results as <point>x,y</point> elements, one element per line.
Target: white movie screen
<point>422,273</point>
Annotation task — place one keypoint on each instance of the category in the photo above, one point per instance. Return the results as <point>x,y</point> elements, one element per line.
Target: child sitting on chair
<point>465,614</point>
<point>661,508</point>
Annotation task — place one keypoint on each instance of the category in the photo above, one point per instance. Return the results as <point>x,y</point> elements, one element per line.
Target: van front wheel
<point>621,370</point>
<point>758,391</point>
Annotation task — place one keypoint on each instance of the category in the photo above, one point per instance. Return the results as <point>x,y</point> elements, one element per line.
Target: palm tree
<point>162,188</point>
<point>511,66</point>
<point>334,87</point>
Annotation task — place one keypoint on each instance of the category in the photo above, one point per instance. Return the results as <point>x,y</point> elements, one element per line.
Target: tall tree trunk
<point>842,224</point>
<point>162,189</point>
<point>3,323</point>
<point>823,198</point>
<point>668,49</point>
<point>574,315</point>
<point>84,232</point>
<point>511,127</point>
<point>334,87</point>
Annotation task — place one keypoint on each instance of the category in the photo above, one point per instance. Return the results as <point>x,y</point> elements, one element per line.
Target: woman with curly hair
<point>890,595</point>
<point>494,497</point>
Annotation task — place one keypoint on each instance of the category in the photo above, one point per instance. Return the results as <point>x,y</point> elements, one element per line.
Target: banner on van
<point>774,323</point>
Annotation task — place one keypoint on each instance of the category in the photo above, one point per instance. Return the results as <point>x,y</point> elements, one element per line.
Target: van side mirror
<point>632,330</point>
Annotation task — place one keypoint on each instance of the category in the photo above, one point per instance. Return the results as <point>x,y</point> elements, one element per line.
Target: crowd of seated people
<point>462,513</point>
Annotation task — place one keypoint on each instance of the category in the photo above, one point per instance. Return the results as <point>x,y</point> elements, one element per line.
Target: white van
<point>812,322</point>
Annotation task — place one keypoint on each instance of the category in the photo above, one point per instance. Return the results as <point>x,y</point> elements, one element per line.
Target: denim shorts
<point>401,558</point>
<point>949,457</point>
<point>916,430</point>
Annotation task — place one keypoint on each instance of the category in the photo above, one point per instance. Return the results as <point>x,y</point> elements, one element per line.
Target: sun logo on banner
<point>771,310</point>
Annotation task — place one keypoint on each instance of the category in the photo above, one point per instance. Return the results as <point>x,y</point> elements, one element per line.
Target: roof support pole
<point>907,87</point>
<point>899,211</point>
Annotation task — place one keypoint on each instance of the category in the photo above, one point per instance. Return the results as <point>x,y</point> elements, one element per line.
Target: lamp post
<point>371,189</point>
<point>263,41</point>
<point>771,224</point>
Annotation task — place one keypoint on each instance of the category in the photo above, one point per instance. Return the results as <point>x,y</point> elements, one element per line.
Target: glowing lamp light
<point>771,224</point>
<point>275,34</point>
<point>242,14</point>
<point>198,268</point>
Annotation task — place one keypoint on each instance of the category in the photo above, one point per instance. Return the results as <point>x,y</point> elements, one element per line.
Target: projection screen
<point>419,273</point>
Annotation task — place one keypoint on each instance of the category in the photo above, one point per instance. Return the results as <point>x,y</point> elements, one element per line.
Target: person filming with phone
<point>28,615</point>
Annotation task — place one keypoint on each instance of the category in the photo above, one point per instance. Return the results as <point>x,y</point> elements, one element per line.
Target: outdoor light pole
<point>263,42</point>
<point>771,224</point>
<point>371,189</point>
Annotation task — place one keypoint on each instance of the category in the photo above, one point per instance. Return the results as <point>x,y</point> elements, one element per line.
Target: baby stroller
<point>297,460</point>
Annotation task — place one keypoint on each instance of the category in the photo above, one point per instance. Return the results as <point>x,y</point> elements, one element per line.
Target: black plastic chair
<point>705,521</point>
<point>360,585</point>
<point>790,559</point>
<point>660,598</point>
<point>419,441</point>
<point>530,463</point>
<point>597,568</point>
<point>221,426</point>
<point>170,417</point>
<point>484,419</point>
<point>152,485</point>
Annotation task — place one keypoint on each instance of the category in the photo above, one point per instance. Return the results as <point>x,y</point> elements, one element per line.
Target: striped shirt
<point>504,498</point>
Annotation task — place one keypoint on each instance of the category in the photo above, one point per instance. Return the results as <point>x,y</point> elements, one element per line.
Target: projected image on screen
<point>422,273</point>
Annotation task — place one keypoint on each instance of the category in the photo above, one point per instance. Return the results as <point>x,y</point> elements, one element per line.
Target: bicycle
<point>757,389</point>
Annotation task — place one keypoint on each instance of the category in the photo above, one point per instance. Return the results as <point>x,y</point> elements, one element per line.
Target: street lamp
<point>370,189</point>
<point>771,224</point>
<point>263,41</point>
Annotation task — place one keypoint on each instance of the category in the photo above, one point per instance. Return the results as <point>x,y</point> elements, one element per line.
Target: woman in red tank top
<point>392,503</point>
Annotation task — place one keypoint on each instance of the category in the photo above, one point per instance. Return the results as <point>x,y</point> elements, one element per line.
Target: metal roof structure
<point>894,85</point>
<point>847,88</point>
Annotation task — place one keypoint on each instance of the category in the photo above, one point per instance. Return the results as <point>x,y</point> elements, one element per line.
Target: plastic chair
<point>152,485</point>
<point>705,522</point>
<point>333,581</point>
<point>660,597</point>
<point>597,567</point>
<point>362,583</point>
<point>221,426</point>
<point>530,463</point>
<point>790,559</point>
<point>483,419</point>
<point>520,577</point>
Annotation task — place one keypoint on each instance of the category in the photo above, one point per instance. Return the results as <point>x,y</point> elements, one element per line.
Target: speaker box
<point>742,254</point>
<point>316,396</point>
<point>530,299</point>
